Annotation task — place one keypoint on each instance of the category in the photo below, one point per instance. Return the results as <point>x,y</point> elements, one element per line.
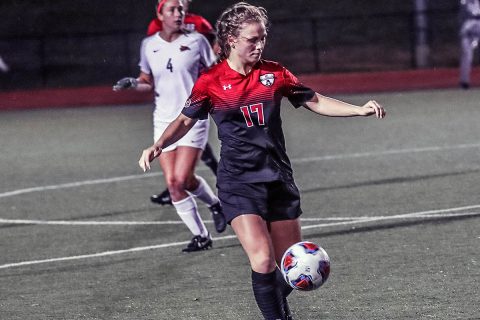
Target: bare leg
<point>178,171</point>
<point>284,234</point>
<point>254,236</point>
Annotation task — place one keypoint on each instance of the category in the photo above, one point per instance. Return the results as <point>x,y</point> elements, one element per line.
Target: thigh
<point>185,161</point>
<point>284,234</point>
<point>253,234</point>
<point>167,162</point>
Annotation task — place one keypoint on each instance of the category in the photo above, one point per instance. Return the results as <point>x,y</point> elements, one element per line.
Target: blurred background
<point>58,44</point>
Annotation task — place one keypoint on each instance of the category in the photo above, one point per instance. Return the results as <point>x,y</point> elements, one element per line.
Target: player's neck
<point>170,35</point>
<point>236,64</point>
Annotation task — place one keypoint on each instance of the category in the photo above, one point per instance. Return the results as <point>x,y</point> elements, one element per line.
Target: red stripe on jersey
<point>223,89</point>
<point>246,110</point>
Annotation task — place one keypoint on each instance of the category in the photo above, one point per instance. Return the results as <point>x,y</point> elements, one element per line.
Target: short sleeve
<point>295,91</point>
<point>207,56</point>
<point>198,104</point>
<point>143,64</point>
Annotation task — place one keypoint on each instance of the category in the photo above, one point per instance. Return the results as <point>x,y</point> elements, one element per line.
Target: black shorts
<point>273,201</point>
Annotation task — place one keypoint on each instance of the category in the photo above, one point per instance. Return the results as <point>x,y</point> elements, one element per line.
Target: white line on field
<point>174,222</point>
<point>386,152</point>
<point>294,160</point>
<point>131,223</point>
<point>441,213</point>
<point>397,217</point>
<point>78,184</point>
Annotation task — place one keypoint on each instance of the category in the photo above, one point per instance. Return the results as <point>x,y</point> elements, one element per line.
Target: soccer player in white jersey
<point>192,22</point>
<point>469,36</point>
<point>170,63</point>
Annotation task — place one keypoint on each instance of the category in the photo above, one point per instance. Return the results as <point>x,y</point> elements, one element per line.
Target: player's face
<point>249,44</point>
<point>172,15</point>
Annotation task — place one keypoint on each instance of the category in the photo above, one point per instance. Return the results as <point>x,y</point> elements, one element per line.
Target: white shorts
<point>197,137</point>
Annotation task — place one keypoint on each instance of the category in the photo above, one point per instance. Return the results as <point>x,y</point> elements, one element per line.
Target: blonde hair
<point>231,20</point>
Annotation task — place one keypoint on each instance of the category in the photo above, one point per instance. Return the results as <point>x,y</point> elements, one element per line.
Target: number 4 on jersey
<point>170,65</point>
<point>254,108</point>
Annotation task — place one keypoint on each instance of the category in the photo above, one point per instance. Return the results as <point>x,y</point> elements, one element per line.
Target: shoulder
<point>209,76</point>
<point>271,66</point>
<point>196,37</point>
<point>192,34</point>
<point>275,68</point>
<point>211,73</point>
<point>149,39</point>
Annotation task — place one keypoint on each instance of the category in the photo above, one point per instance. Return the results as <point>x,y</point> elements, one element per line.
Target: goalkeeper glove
<point>125,83</point>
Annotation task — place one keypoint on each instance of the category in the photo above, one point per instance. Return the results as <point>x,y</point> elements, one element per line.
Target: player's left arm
<point>335,108</point>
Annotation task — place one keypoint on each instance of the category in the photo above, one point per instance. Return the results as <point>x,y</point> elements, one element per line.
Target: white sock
<point>204,192</point>
<point>188,212</point>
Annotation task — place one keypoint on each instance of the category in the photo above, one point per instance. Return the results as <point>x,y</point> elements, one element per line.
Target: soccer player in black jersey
<point>255,183</point>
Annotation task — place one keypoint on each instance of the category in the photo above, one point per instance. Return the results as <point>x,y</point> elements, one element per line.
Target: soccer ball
<point>305,266</point>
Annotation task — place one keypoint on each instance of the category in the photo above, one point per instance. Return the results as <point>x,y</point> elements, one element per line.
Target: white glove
<point>125,83</point>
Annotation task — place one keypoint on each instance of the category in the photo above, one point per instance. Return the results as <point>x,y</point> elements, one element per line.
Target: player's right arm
<point>174,132</point>
<point>142,83</point>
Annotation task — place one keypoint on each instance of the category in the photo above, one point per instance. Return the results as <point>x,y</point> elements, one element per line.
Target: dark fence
<point>324,44</point>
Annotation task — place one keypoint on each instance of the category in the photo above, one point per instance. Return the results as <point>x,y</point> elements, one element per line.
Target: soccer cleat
<point>464,85</point>
<point>199,243</point>
<point>162,198</point>
<point>218,217</point>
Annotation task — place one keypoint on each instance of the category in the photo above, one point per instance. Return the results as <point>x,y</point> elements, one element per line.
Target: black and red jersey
<point>246,110</point>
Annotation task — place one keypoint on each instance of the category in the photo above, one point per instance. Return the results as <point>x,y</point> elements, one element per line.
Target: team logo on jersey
<point>267,79</point>
<point>188,103</point>
<point>184,48</point>
<point>227,86</point>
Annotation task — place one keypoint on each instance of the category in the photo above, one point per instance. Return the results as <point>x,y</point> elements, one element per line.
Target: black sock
<point>209,159</point>
<point>282,285</point>
<point>268,297</point>
<point>284,289</point>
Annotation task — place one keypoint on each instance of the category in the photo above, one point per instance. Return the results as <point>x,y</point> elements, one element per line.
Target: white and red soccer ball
<point>305,266</point>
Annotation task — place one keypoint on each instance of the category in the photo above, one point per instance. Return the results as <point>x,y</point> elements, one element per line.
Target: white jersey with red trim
<point>174,66</point>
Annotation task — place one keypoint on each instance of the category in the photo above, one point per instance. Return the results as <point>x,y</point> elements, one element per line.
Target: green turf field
<point>395,203</point>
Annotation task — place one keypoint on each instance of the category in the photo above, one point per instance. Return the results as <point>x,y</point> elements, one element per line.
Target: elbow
<point>186,122</point>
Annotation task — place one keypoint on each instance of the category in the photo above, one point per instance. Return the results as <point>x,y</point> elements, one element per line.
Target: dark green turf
<point>401,268</point>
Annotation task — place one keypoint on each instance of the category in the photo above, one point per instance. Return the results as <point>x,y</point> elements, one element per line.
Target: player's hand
<point>147,156</point>
<point>125,83</point>
<point>372,107</point>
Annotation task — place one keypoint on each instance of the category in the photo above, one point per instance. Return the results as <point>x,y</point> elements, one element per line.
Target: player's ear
<point>159,16</point>
<point>231,40</point>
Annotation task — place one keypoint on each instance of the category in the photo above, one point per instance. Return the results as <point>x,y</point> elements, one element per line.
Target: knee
<point>174,184</point>
<point>182,183</point>
<point>262,263</point>
<point>190,182</point>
